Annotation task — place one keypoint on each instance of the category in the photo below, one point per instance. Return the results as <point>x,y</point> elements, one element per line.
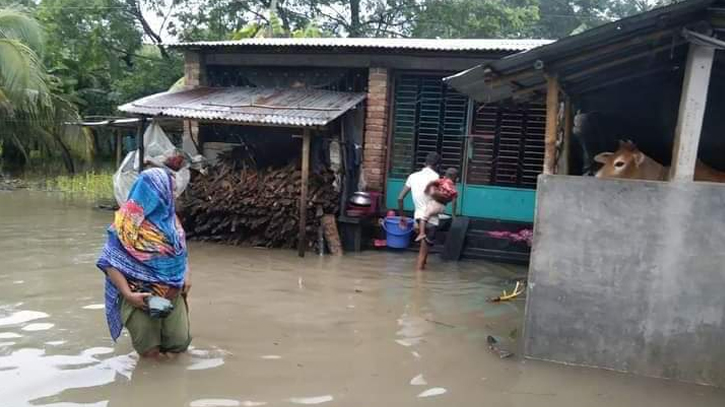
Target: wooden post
<point>302,247</point>
<point>692,112</point>
<point>565,151</point>
<point>119,148</point>
<point>552,107</point>
<point>139,142</point>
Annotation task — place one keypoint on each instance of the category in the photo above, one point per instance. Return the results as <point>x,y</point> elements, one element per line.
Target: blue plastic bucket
<point>396,237</point>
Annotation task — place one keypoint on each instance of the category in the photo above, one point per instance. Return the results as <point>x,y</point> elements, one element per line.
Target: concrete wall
<point>630,276</point>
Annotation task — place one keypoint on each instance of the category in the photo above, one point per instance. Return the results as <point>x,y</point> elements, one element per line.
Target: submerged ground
<point>272,329</point>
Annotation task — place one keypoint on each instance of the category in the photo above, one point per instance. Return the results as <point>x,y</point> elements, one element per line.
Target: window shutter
<point>428,117</point>
<point>507,145</point>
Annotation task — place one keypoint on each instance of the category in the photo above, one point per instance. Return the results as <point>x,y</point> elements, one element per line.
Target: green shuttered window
<point>428,117</point>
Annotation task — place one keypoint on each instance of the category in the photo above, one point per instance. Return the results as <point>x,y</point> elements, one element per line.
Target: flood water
<point>271,329</point>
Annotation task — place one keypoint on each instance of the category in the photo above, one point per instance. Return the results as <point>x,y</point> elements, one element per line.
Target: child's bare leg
<point>421,230</point>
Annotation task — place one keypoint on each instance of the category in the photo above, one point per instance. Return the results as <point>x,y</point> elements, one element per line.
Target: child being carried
<point>440,193</point>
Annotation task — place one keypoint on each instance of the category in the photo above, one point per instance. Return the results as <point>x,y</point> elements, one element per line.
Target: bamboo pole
<point>552,107</point>
<point>302,245</point>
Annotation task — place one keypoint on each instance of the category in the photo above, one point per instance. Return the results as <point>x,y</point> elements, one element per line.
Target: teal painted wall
<point>479,201</point>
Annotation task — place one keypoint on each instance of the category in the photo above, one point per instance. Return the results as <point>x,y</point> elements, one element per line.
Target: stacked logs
<point>255,207</point>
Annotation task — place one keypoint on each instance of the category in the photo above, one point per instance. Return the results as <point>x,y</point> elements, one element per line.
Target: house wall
<point>194,75</point>
<point>629,276</point>
<point>381,68</point>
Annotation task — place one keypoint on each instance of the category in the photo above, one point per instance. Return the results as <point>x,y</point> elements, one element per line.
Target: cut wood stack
<point>255,207</point>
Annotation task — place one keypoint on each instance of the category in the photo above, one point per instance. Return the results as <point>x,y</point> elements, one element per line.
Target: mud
<point>271,329</point>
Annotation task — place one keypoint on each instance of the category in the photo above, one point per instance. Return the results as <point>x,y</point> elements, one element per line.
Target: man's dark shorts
<point>430,232</point>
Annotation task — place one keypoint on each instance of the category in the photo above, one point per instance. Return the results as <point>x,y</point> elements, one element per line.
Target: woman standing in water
<point>145,262</point>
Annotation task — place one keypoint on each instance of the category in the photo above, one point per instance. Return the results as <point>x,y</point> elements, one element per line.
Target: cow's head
<point>624,163</point>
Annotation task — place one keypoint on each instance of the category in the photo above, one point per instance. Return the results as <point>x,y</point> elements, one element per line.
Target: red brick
<point>374,146</point>
<point>371,120</point>
<point>377,89</point>
<point>377,115</point>
<point>375,128</point>
<point>374,134</point>
<point>377,108</point>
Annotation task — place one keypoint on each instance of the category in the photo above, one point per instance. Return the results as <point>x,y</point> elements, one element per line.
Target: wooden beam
<point>566,148</point>
<point>119,147</point>
<point>437,61</point>
<point>552,107</point>
<point>692,112</point>
<point>140,142</point>
<point>587,73</point>
<point>579,57</point>
<point>304,182</point>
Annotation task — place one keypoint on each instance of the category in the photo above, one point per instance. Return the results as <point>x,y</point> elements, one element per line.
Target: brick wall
<point>194,75</point>
<point>194,69</point>
<point>376,128</point>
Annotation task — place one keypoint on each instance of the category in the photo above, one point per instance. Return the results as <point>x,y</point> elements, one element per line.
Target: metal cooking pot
<point>361,199</point>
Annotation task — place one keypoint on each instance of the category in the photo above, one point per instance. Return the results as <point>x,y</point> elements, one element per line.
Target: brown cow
<point>630,163</point>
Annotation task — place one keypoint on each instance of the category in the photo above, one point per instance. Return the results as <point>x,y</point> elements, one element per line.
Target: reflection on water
<point>272,329</point>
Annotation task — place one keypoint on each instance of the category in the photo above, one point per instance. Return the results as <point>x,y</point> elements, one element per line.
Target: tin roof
<point>283,107</point>
<point>595,57</point>
<point>420,44</point>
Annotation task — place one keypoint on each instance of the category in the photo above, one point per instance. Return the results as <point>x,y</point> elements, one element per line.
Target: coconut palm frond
<point>22,77</point>
<point>16,25</point>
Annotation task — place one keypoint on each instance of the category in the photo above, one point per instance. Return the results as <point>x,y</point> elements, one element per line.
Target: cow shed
<point>626,275</point>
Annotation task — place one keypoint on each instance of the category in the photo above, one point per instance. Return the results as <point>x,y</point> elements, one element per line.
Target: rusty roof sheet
<point>283,107</point>
<point>420,44</point>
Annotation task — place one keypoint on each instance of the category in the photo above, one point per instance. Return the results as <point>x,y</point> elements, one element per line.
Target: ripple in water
<point>37,327</point>
<point>21,317</point>
<point>311,400</point>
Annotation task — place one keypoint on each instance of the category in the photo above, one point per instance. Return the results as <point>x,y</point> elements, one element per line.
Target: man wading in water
<point>417,184</point>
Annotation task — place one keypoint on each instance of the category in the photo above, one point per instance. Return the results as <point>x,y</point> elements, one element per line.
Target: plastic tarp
<point>157,150</point>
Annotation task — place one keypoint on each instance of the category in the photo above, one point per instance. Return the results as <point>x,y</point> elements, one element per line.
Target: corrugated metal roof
<point>284,107</point>
<point>376,43</point>
<point>589,49</point>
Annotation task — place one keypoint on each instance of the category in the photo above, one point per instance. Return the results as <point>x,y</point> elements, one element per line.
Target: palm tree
<point>23,81</point>
<point>32,110</point>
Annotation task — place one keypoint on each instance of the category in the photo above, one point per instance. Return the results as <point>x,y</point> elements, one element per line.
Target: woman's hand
<point>137,300</point>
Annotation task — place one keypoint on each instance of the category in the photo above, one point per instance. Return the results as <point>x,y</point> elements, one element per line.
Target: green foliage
<point>150,73</point>
<point>271,27</point>
<point>90,44</point>
<point>23,82</point>
<point>477,19</point>
<point>96,185</point>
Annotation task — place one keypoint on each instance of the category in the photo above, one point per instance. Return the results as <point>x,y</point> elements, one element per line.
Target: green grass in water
<point>95,185</point>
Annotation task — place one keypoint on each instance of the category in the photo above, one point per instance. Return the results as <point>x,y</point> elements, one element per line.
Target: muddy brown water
<point>271,329</point>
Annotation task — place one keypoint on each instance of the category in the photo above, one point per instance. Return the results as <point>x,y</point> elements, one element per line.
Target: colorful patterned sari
<point>146,243</point>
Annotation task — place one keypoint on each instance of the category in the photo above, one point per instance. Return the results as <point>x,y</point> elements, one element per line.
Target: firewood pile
<point>238,205</point>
